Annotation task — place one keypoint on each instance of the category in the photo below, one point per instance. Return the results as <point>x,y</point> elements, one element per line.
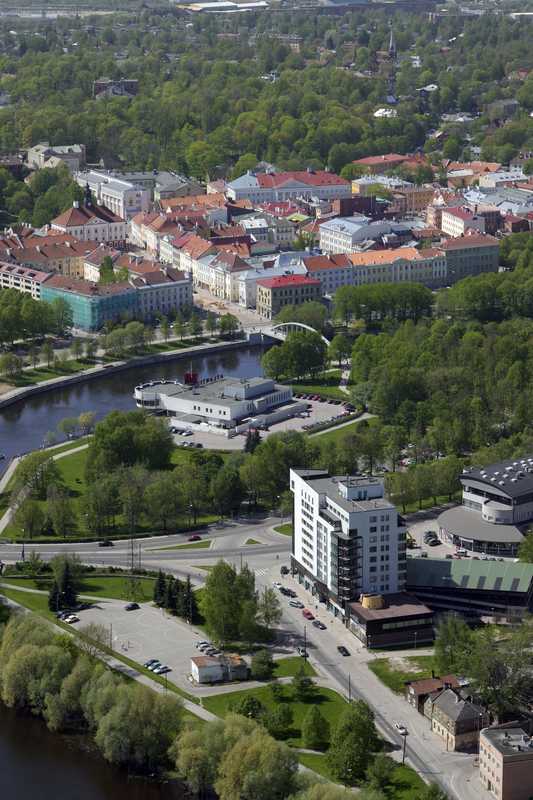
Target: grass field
<point>116,587</point>
<point>286,529</point>
<point>394,676</point>
<point>405,783</point>
<point>72,469</point>
<point>318,762</point>
<point>326,385</point>
<point>330,703</point>
<point>288,667</point>
<point>43,373</point>
<point>252,541</point>
<point>187,546</point>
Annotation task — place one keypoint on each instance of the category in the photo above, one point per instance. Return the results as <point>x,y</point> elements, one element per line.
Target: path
<point>345,377</point>
<point>4,520</point>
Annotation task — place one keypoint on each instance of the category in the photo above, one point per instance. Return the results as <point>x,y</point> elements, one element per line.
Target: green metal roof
<point>466,573</point>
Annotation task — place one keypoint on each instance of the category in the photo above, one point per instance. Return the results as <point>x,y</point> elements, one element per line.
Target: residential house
<point>506,762</point>
<point>457,721</point>
<point>274,293</point>
<point>417,692</point>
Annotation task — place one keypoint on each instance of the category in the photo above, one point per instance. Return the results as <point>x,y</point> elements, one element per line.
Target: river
<point>24,425</point>
<point>38,765</point>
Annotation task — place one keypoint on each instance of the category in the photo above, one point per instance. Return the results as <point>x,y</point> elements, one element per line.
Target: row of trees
<point>22,317</point>
<point>395,301</point>
<point>45,673</point>
<point>177,597</point>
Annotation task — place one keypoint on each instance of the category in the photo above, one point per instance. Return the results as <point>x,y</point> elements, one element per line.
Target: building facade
<point>460,220</point>
<point>347,540</point>
<point>267,187</point>
<point>342,234</point>
<point>23,279</point>
<point>457,721</point>
<point>471,255</point>
<point>123,198</point>
<point>287,290</point>
<point>92,304</point>
<point>506,762</point>
<point>162,291</point>
<point>92,223</point>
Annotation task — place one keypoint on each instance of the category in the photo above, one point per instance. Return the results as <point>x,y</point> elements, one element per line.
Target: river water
<point>24,425</point>
<point>38,765</point>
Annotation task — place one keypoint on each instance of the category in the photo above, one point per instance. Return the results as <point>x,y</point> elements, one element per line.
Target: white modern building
<point>122,197</point>
<point>348,539</point>
<point>220,405</point>
<point>342,234</point>
<point>458,221</point>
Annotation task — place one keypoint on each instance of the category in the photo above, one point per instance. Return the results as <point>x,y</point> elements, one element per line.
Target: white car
<point>277,584</point>
<point>71,619</point>
<point>400,727</point>
<point>201,643</point>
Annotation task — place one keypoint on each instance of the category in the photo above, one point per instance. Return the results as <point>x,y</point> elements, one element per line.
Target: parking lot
<point>442,550</point>
<point>319,412</point>
<point>147,633</point>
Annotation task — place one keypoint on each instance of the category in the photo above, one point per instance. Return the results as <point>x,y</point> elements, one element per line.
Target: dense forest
<point>216,95</point>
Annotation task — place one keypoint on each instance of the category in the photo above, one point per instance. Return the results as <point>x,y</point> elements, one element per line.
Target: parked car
<point>162,670</point>
<point>194,538</point>
<point>284,570</point>
<point>434,542</point>
<point>131,606</point>
<point>302,652</point>
<point>291,593</point>
<point>307,614</point>
<point>276,584</point>
<point>154,666</point>
<point>461,551</point>
<point>319,625</point>
<point>343,650</point>
<point>71,619</point>
<point>201,643</point>
<point>186,433</point>
<point>296,604</point>
<point>424,554</point>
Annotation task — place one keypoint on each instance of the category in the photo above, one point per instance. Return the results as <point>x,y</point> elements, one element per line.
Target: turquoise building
<point>92,304</point>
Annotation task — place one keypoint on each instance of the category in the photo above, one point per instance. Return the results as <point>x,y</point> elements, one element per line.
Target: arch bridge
<point>282,330</point>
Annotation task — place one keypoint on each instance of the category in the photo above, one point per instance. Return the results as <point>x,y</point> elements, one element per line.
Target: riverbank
<point>194,351</point>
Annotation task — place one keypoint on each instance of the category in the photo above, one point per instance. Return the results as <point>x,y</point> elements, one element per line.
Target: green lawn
<point>187,546</point>
<point>116,587</point>
<point>252,541</point>
<point>326,385</point>
<point>330,703</point>
<point>395,676</point>
<point>40,374</point>
<point>337,434</point>
<point>288,667</point>
<point>405,784</point>
<point>318,762</point>
<point>286,529</point>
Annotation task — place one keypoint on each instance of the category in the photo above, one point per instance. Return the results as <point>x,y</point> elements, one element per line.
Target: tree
<point>211,323</point>
<point>269,608</point>
<point>278,721</point>
<point>76,348</point>
<point>132,483</point>
<point>159,589</point>
<point>10,365</point>
<point>54,597</point>
<point>257,768</point>
<point>353,741</point>
<point>195,324</point>
<point>248,706</point>
<point>380,771</point>
<point>165,329</point>
<point>35,473</point>
<point>431,792</point>
<point>68,426</point>
<point>162,500</point>
<point>229,324</point>
<point>62,315</point>
<point>262,665</point>
<point>86,422</point>
<point>227,490</point>
<point>94,639</point>
<point>219,605</point>
<point>90,349</point>
<point>67,586</point>
<point>302,685</point>
<point>315,730</point>
<point>340,348</point>
<point>30,519</point>
<point>453,642</point>
<point>60,511</point>
<point>274,363</point>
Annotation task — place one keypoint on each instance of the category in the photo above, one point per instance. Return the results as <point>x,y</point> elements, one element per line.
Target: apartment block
<point>287,290</point>
<point>471,255</point>
<point>506,762</point>
<point>348,539</point>
<point>460,220</point>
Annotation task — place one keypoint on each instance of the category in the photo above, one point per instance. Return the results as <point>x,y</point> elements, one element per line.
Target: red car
<point>194,538</point>
<point>307,614</point>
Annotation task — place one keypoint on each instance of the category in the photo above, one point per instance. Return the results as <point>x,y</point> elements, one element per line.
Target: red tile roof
<point>320,263</point>
<point>287,280</point>
<point>83,215</point>
<point>383,160</point>
<point>79,286</point>
<point>472,240</point>
<point>269,180</point>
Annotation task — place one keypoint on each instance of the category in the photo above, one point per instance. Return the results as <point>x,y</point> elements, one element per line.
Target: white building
<point>265,187</point>
<point>23,279</point>
<point>123,198</point>
<point>44,155</point>
<point>91,223</point>
<point>163,291</point>
<point>457,221</point>
<point>348,539</point>
<point>342,234</point>
<point>222,405</point>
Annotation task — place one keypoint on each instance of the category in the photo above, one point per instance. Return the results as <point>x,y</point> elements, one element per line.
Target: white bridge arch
<point>282,329</point>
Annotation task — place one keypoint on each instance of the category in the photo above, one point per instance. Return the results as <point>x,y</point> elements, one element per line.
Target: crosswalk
<point>263,571</point>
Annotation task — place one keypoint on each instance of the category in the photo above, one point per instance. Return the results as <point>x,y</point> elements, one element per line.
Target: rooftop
<point>288,280</point>
<point>396,605</point>
<point>455,708</point>
<point>466,573</point>
<point>509,741</point>
<point>383,160</point>
<point>474,240</point>
<point>513,477</point>
<point>79,286</point>
<point>428,685</point>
